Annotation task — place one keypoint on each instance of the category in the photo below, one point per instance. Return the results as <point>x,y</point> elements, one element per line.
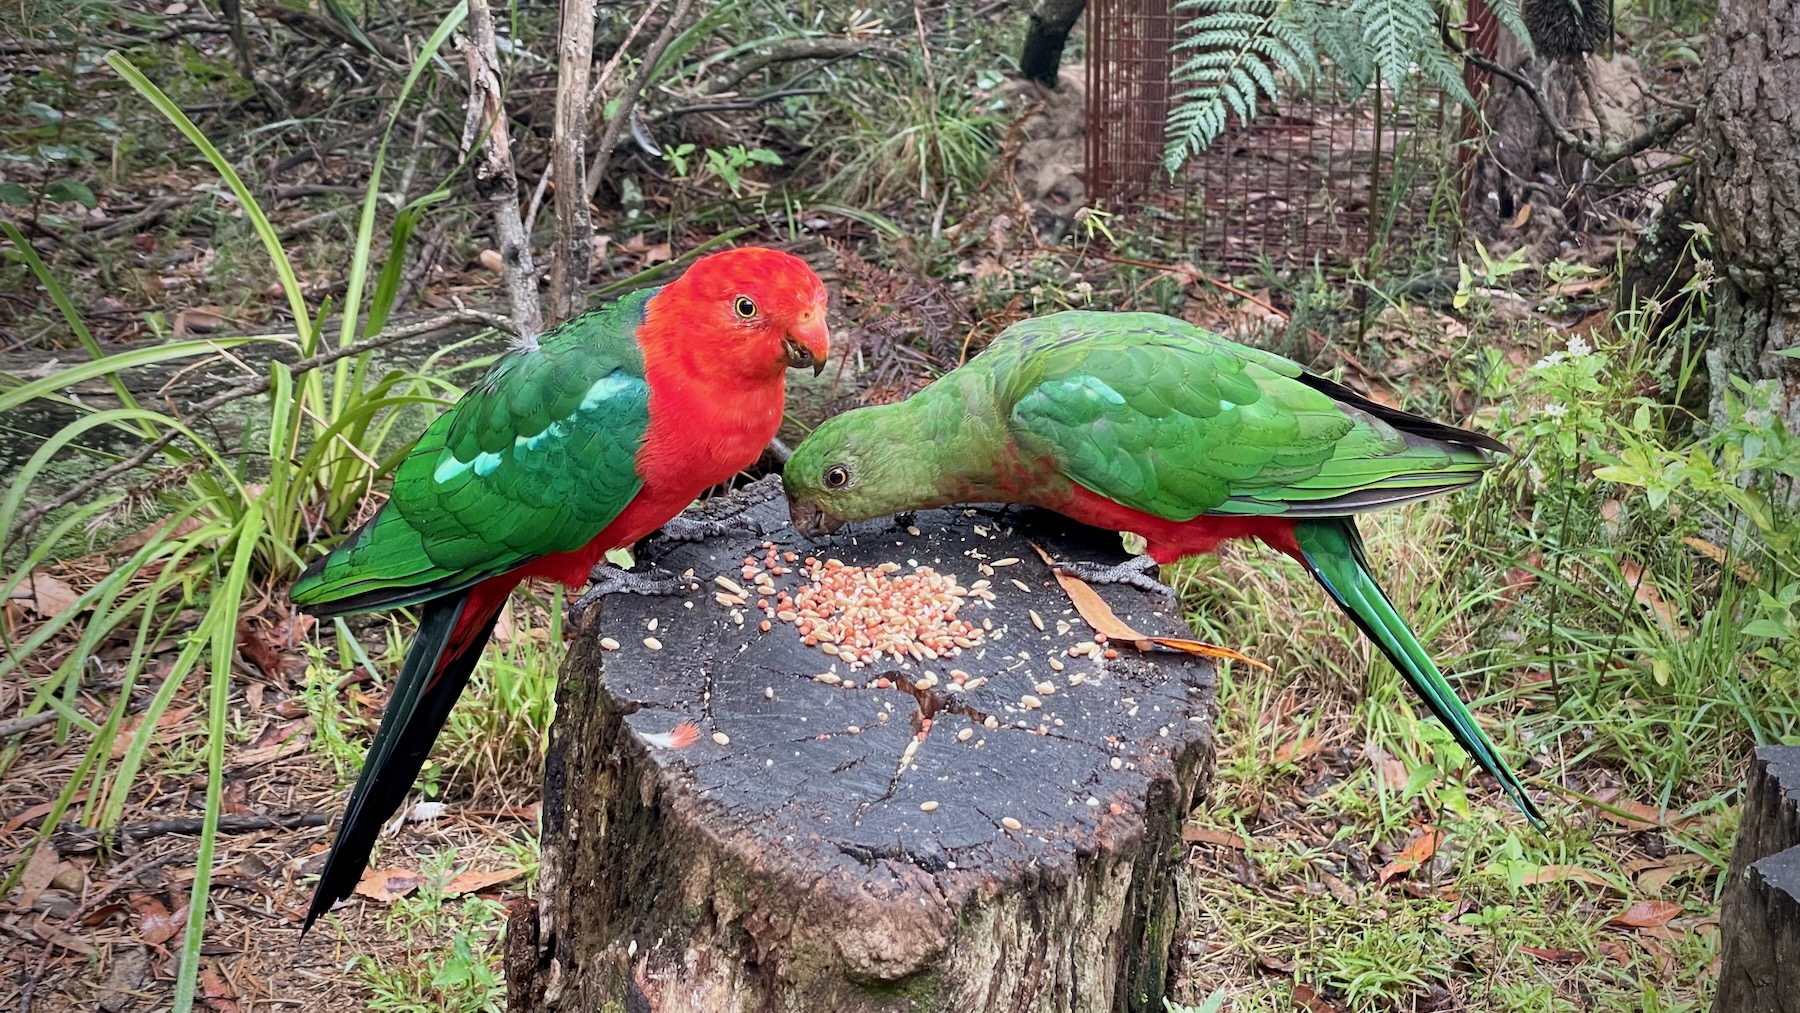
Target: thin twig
<point>735,105</point>
<point>615,124</point>
<point>228,824</point>
<point>13,726</point>
<point>594,93</point>
<point>30,518</point>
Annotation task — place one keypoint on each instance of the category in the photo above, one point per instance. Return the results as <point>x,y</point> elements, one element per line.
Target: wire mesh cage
<point>1321,180</point>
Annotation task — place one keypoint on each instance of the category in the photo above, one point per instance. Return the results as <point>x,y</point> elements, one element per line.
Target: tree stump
<point>1759,915</point>
<point>819,846</point>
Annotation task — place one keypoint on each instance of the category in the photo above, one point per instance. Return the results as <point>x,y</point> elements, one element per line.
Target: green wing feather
<point>537,458</point>
<point>1171,420</point>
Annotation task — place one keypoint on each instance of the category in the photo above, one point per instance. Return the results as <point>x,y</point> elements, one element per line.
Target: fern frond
<point>1237,46</point>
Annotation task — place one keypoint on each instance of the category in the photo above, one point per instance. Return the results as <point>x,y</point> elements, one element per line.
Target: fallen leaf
<point>1646,914</point>
<point>1273,963</point>
<point>1557,873</point>
<point>41,809</point>
<point>1645,590</point>
<point>128,730</point>
<point>57,937</point>
<point>1193,834</point>
<point>1745,572</point>
<point>256,649</point>
<point>1582,286</point>
<point>253,757</point>
<point>1554,956</point>
<point>657,254</point>
<point>1612,517</point>
<point>236,799</point>
<point>45,595</point>
<point>1615,951</point>
<point>1519,220</point>
<point>39,871</point>
<point>156,529</point>
<point>475,882</point>
<point>218,993</point>
<point>1416,853</point>
<point>156,925</point>
<point>1293,752</point>
<point>1656,878</point>
<point>388,885</point>
<point>1307,998</point>
<point>1638,816</point>
<point>198,320</point>
<point>1101,617</point>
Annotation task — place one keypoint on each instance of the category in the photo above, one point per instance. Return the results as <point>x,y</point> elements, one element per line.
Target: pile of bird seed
<point>860,613</point>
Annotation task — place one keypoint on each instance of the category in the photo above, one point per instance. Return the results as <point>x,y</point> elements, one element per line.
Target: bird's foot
<point>694,529</point>
<point>607,579</point>
<point>1138,572</point>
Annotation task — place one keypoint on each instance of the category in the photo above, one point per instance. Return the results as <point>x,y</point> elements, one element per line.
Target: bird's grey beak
<point>811,521</point>
<point>799,357</point>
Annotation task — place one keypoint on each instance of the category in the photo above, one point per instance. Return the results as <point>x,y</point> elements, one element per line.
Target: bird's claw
<point>607,579</point>
<point>1138,572</point>
<point>696,529</point>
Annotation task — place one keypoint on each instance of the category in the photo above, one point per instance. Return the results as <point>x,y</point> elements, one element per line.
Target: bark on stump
<point>1759,915</point>
<point>793,864</point>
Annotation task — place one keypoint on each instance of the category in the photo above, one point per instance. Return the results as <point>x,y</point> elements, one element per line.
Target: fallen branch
<point>615,124</point>
<point>735,105</point>
<point>13,726</point>
<point>1602,157</point>
<point>79,838</point>
<point>788,51</point>
<point>29,519</point>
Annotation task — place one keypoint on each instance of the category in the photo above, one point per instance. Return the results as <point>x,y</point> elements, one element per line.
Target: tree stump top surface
<point>804,779</point>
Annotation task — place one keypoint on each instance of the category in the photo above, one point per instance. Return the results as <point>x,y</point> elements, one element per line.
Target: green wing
<point>536,458</point>
<point>1174,421</point>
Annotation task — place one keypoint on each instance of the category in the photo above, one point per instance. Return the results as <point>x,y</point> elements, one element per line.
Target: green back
<point>1169,419</point>
<point>537,458</point>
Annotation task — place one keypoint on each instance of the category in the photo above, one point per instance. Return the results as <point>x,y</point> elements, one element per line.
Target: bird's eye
<point>837,476</point>
<point>745,307</point>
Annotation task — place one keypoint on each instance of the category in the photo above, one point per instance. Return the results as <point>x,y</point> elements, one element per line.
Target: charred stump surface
<point>1759,914</point>
<point>819,846</point>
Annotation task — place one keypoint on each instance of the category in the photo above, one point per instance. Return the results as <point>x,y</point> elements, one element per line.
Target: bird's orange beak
<point>808,342</point>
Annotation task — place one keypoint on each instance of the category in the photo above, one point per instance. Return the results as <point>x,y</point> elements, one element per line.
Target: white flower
<point>1578,347</point>
<point>1553,410</point>
<point>1549,360</point>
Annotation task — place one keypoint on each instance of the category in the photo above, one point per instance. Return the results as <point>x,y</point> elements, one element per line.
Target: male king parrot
<point>1140,422</point>
<point>586,438</point>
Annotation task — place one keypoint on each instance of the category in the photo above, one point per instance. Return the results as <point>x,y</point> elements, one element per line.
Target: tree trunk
<point>1759,914</point>
<point>571,260</point>
<point>878,842</point>
<point>1045,35</point>
<point>1749,196</point>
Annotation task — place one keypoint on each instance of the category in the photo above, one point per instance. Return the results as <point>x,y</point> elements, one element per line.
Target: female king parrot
<point>584,439</point>
<point>1140,422</point>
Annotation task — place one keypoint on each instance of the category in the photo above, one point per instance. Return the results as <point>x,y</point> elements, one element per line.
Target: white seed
<point>651,626</point>
<point>912,529</point>
<point>1008,561</point>
<point>1012,824</point>
<point>1055,665</point>
<point>652,643</point>
<point>1021,585</point>
<point>608,644</point>
<point>1117,763</point>
<point>990,722</point>
<point>927,806</point>
<point>1036,620</point>
<point>965,734</point>
<point>768,692</point>
<point>827,678</point>
<point>1045,688</point>
<point>854,730</point>
<point>731,585</point>
<point>1078,678</point>
<point>721,738</point>
<point>1030,702</point>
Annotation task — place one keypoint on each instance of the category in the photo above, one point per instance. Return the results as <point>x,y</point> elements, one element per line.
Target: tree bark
<point>1759,914</point>
<point>1048,31</point>
<point>572,259</point>
<point>893,845</point>
<point>495,180</point>
<point>1749,196</point>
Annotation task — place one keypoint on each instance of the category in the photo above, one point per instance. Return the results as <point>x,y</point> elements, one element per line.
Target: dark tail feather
<point>436,668</point>
<point>1333,550</point>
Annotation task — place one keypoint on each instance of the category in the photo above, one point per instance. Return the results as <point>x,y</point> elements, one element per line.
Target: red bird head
<point>750,311</point>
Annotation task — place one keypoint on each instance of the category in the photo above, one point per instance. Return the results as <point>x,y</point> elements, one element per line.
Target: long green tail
<point>1333,550</point>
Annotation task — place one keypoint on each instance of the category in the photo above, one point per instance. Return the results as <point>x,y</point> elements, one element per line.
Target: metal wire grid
<point>1313,182</point>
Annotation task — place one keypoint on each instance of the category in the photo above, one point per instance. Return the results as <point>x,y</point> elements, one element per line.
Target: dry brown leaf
<point>1566,957</point>
<point>1646,914</point>
<point>39,871</point>
<point>156,925</point>
<point>133,542</point>
<point>220,997</point>
<point>236,799</point>
<point>57,937</point>
<point>1647,594</point>
<point>1193,834</point>
<point>254,645</point>
<point>388,885</point>
<point>1308,998</point>
<point>475,882</point>
<point>128,729</point>
<point>1416,853</point>
<point>253,757</point>
<point>41,809</point>
<point>1293,752</point>
<point>1557,873</point>
<point>1612,517</point>
<point>1519,220</point>
<point>1101,617</point>
<point>1582,286</point>
<point>1655,878</point>
<point>1638,816</point>
<point>45,595</point>
<point>1745,572</point>
<point>1615,951</point>
<point>198,320</point>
